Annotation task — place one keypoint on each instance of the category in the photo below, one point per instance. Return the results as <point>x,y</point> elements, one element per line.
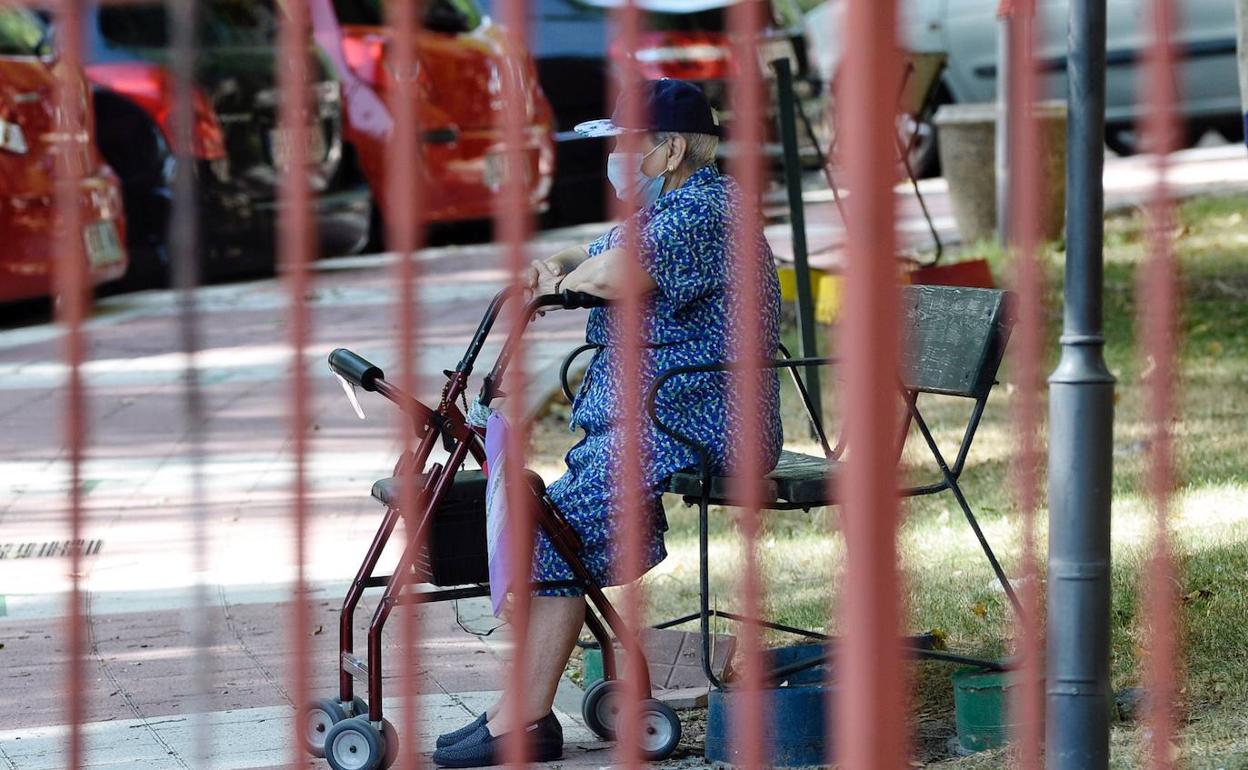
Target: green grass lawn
<point>948,584</point>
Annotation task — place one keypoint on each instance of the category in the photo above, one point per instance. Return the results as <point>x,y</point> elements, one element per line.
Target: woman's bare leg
<point>554,625</point>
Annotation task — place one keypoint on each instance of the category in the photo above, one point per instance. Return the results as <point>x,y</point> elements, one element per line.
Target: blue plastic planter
<point>794,730</point>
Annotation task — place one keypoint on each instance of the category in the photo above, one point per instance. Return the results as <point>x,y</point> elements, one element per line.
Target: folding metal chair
<point>954,342</point>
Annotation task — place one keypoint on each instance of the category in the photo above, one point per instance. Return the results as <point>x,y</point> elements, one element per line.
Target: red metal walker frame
<point>461,440</point>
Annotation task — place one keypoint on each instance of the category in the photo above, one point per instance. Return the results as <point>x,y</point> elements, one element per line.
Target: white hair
<point>700,149</point>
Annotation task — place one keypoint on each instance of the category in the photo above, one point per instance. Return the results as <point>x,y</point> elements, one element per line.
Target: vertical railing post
<point>1156,325</point>
<point>514,225</point>
<point>295,248</point>
<point>403,220</point>
<point>748,348</point>
<point>870,732</point>
<point>1081,413</point>
<point>1021,235</point>
<point>185,272</point>
<point>72,287</point>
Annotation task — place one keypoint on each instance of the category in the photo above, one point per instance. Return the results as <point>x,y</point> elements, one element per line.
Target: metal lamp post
<point>1081,404</point>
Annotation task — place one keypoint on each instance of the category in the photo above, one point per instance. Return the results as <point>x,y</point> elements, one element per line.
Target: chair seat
<point>797,479</point>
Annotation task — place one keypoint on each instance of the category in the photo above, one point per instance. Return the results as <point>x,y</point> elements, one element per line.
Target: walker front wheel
<point>318,718</point>
<point>354,744</point>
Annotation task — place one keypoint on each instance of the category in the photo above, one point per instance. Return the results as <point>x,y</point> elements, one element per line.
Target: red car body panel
<point>29,221</point>
<point>457,106</point>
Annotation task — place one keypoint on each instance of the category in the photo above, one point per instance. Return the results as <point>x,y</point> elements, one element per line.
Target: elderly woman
<point>686,239</point>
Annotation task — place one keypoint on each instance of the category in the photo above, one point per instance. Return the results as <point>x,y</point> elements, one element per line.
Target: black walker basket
<point>455,552</point>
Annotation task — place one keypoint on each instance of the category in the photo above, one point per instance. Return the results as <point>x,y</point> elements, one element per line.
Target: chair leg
<point>983,543</point>
<point>704,589</point>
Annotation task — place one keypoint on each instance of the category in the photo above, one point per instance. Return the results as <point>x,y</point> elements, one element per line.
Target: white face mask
<point>630,182</point>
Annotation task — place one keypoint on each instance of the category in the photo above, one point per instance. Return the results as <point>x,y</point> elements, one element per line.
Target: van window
<point>222,23</point>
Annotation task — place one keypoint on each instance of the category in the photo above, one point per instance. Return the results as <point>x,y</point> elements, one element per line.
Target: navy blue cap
<point>665,105</point>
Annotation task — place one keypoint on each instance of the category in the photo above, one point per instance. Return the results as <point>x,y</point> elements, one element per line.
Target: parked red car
<point>32,137</point>
<point>458,54</point>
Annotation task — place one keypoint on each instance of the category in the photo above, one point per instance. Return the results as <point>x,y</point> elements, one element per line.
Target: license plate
<point>494,174</point>
<point>103,246</point>
<point>280,146</point>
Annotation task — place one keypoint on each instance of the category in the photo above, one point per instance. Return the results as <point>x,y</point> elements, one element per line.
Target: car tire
<point>376,242</point>
<point>135,149</point>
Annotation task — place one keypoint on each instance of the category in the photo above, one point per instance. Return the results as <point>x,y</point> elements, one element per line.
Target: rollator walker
<point>446,550</point>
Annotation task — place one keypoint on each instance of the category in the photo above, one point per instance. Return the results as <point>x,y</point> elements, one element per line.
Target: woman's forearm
<point>564,262</point>
<point>604,276</point>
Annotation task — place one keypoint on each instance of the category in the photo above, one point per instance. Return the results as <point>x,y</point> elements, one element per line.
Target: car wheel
<point>376,242</point>
<point>135,149</point>
<point>148,269</point>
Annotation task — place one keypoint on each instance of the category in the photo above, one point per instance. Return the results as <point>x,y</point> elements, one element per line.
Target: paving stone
<point>684,697</point>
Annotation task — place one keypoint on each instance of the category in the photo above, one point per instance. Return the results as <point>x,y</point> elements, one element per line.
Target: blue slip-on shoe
<point>545,739</point>
<point>455,736</point>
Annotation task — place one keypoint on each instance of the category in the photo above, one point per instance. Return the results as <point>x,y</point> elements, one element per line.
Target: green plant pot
<point>591,667</point>
<point>981,700</point>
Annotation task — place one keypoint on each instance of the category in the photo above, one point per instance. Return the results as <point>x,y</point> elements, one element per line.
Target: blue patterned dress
<point>686,242</point>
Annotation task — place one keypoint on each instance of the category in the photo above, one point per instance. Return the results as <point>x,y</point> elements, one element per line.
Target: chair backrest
<point>921,72</point>
<point>953,339</point>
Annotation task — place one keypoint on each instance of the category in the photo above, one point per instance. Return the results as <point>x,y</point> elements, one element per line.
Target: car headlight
<point>11,137</point>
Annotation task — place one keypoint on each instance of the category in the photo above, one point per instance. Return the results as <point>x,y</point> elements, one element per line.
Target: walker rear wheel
<point>601,707</point>
<point>660,730</point>
<point>390,739</point>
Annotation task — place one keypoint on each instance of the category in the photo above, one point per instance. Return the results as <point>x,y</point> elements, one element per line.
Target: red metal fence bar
<point>1024,228</point>
<point>184,254</point>
<point>512,222</point>
<point>72,288</point>
<point>294,242</point>
<point>406,195</point>
<point>629,322</point>
<point>870,731</point>
<point>1156,324</point>
<point>746,350</point>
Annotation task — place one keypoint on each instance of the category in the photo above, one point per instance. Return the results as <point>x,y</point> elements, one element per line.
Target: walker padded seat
<point>797,479</point>
<point>467,484</point>
<point>386,491</point>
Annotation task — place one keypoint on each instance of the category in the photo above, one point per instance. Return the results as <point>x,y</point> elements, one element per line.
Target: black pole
<point>1081,415</point>
<point>797,222</point>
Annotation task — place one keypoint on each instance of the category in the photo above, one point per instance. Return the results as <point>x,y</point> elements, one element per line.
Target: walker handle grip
<point>355,369</point>
<point>573,300</point>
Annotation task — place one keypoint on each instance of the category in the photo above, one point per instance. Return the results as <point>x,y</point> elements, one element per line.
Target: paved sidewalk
<point>143,702</point>
<point>141,694</point>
